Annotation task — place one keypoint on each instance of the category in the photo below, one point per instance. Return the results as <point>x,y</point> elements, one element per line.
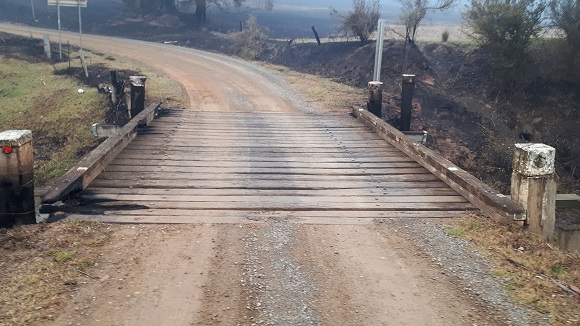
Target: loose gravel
<point>457,258</point>
<point>278,290</point>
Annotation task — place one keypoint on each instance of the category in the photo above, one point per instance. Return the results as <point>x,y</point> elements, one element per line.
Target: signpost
<point>379,50</point>
<point>33,13</point>
<point>71,3</point>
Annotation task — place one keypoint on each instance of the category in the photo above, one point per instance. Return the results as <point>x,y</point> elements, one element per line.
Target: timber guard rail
<point>498,206</point>
<point>89,167</point>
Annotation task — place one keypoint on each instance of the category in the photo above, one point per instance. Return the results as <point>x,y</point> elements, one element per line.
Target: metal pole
<point>379,50</point>
<point>80,29</point>
<point>81,41</point>
<point>33,14</point>
<point>59,40</point>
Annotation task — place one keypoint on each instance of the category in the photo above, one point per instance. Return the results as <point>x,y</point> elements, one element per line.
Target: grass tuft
<point>527,266</point>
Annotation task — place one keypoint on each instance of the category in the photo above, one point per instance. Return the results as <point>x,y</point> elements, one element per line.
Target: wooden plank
<point>261,156</point>
<point>249,178</point>
<point>279,200</point>
<point>489,200</point>
<point>264,215</point>
<point>273,206</point>
<point>257,215</point>
<point>260,184</point>
<point>355,171</point>
<point>89,167</point>
<point>246,218</point>
<point>372,192</point>
<point>264,162</point>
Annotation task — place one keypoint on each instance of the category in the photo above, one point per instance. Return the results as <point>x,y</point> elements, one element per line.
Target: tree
<point>201,6</point>
<point>506,28</point>
<point>565,14</point>
<point>415,10</point>
<point>153,5</point>
<point>249,42</point>
<point>362,21</point>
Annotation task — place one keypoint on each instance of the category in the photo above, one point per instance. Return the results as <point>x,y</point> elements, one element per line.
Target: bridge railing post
<point>137,102</point>
<point>375,103</point>
<point>533,185</point>
<point>16,178</point>
<point>407,102</point>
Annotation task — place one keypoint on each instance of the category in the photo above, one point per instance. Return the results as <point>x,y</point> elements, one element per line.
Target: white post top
<point>534,159</point>
<point>138,80</point>
<point>15,137</point>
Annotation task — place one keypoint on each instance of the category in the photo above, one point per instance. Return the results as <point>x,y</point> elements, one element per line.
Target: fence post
<point>407,102</point>
<point>534,186</point>
<point>375,103</point>
<point>116,88</point>
<point>316,35</point>
<point>16,178</point>
<point>137,103</point>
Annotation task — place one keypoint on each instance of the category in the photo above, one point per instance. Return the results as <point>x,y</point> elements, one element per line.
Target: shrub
<point>249,43</point>
<point>506,28</point>
<point>445,36</point>
<point>362,21</point>
<point>565,15</point>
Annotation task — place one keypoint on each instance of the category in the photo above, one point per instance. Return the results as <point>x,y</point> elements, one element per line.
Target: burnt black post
<point>137,103</point>
<point>316,35</point>
<point>16,178</point>
<point>375,103</point>
<point>116,88</point>
<point>407,102</point>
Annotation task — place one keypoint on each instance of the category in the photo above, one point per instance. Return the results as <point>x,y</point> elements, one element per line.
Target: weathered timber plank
<point>274,177</point>
<point>339,162</point>
<point>364,192</point>
<point>354,171</point>
<point>282,200</point>
<point>261,184</point>
<point>193,218</point>
<point>264,215</point>
<point>274,206</point>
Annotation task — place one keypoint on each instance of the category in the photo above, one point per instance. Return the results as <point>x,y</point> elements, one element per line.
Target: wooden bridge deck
<point>192,166</point>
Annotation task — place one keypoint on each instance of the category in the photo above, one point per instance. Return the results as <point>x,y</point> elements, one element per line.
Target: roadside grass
<point>42,265</point>
<point>35,94</point>
<point>527,266</point>
<point>323,93</point>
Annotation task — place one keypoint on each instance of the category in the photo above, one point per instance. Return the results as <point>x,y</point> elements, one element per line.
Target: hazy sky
<point>390,8</point>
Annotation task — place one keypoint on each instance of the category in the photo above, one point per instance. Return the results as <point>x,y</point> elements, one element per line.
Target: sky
<point>390,8</point>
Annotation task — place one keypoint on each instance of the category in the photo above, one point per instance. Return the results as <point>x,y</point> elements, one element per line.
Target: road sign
<point>68,3</point>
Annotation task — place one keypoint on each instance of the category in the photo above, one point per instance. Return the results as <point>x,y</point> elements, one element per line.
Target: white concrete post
<point>16,178</point>
<point>534,186</point>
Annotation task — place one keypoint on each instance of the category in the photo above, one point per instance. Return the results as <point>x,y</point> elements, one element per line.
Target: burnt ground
<point>469,118</point>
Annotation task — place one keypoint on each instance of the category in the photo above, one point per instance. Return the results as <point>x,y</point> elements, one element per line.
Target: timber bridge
<point>212,167</point>
<point>248,150</point>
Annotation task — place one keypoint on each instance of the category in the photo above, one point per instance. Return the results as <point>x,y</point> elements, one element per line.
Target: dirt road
<point>399,272</point>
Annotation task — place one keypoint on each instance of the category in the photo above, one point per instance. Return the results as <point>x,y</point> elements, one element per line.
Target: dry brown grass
<point>323,93</point>
<point>43,264</point>
<point>528,266</point>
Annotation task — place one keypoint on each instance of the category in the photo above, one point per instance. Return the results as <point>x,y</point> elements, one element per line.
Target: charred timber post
<point>407,102</point>
<point>16,178</point>
<point>316,35</point>
<point>375,103</point>
<point>534,186</point>
<point>116,88</point>
<point>137,103</point>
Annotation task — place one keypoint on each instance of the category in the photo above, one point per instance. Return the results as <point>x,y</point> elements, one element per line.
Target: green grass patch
<point>39,95</point>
